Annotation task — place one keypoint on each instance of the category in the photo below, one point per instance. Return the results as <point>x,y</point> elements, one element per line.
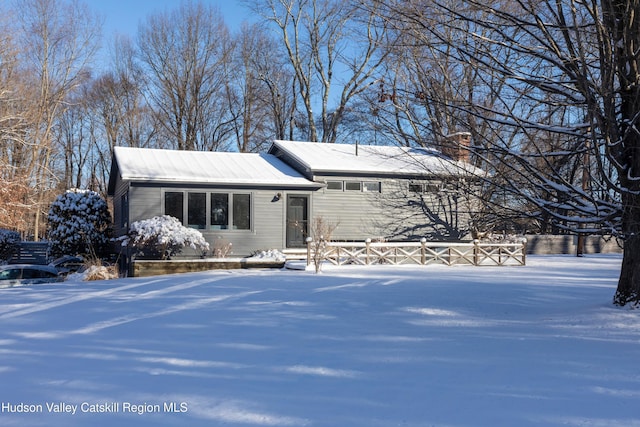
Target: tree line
<point>548,89</point>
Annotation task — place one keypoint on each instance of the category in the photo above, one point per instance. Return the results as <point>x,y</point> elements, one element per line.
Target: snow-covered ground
<point>539,345</point>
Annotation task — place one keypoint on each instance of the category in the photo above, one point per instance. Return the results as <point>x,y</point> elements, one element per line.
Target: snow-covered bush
<point>79,223</point>
<point>271,254</point>
<point>162,237</point>
<point>9,241</point>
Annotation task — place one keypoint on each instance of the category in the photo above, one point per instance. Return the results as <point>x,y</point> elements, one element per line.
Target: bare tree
<point>247,95</point>
<point>571,104</point>
<point>57,42</point>
<point>320,236</point>
<point>185,55</point>
<point>332,47</point>
<point>280,86</point>
<point>118,102</point>
<point>15,195</point>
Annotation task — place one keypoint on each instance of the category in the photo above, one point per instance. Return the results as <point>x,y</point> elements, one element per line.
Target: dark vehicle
<point>27,274</point>
<point>68,264</point>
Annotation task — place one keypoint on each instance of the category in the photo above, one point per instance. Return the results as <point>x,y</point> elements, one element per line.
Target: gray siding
<point>144,202</point>
<point>267,216</point>
<point>355,213</point>
<point>267,226</point>
<point>121,188</point>
<point>395,213</point>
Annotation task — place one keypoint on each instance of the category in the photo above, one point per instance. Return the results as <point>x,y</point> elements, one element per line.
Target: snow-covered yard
<point>539,345</point>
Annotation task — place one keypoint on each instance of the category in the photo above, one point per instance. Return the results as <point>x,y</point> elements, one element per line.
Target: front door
<point>297,220</point>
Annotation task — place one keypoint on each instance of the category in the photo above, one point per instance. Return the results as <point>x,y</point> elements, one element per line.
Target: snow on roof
<point>373,159</point>
<point>173,166</point>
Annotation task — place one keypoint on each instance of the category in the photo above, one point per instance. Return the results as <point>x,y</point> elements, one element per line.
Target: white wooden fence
<point>422,253</point>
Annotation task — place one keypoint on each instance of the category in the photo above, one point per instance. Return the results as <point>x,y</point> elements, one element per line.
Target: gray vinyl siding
<point>357,214</point>
<point>268,229</point>
<point>121,189</point>
<point>267,218</point>
<point>144,202</point>
<point>395,213</point>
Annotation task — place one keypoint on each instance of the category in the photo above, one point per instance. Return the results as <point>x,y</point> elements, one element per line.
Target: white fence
<point>422,253</point>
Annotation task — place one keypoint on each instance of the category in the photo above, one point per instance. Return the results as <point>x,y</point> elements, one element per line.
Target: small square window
<point>432,188</point>
<point>352,186</point>
<point>415,188</point>
<point>372,187</point>
<point>334,185</point>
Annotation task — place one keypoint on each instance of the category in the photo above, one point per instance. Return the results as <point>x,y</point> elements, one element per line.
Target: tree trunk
<point>628,291</point>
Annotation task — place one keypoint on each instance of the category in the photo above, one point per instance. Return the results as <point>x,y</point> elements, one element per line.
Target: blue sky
<point>123,16</point>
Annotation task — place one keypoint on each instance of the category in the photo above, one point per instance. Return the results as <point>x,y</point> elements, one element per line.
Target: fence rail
<point>421,253</point>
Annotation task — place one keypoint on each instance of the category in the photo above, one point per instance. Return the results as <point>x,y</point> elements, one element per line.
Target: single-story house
<point>270,200</point>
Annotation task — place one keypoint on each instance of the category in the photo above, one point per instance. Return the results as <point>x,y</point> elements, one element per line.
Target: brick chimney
<point>456,146</point>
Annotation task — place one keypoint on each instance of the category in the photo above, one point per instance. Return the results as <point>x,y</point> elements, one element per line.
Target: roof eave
<point>227,183</point>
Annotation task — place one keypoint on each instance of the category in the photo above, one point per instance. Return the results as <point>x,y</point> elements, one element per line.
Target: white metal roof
<point>373,159</point>
<point>173,166</point>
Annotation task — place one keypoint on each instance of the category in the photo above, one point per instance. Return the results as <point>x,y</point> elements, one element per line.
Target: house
<point>269,200</point>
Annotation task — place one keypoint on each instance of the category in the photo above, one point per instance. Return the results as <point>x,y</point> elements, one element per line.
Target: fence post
<point>367,259</point>
<point>309,240</point>
<point>423,251</point>
<point>524,251</point>
<point>476,253</point>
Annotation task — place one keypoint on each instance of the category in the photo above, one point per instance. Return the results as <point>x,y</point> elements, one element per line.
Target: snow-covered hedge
<point>162,237</point>
<point>79,223</point>
<point>9,241</point>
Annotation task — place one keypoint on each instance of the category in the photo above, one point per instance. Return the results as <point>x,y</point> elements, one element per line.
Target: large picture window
<point>173,204</point>
<point>241,212</point>
<point>214,211</point>
<point>197,210</point>
<point>219,211</point>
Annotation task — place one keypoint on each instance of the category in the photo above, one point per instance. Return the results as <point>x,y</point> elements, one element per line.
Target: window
<point>214,211</point>
<point>371,186</point>
<point>173,204</point>
<point>197,210</point>
<point>124,210</point>
<point>219,211</point>
<point>334,185</point>
<point>415,188</point>
<point>352,185</point>
<point>241,212</point>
